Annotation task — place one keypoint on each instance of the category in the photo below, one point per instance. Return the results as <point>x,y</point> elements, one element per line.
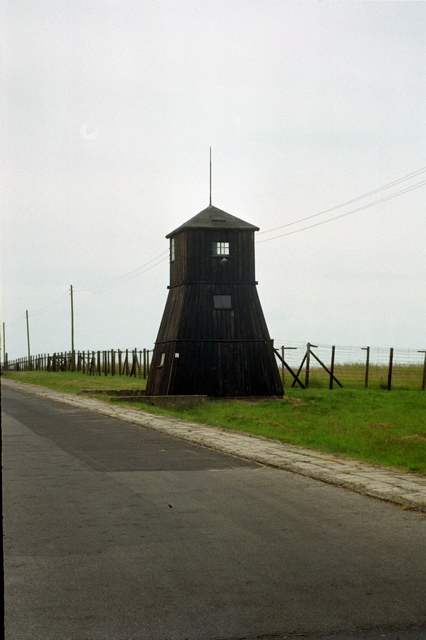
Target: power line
<point>154,262</point>
<point>348,213</point>
<point>102,286</point>
<point>116,284</point>
<point>51,305</point>
<point>113,282</point>
<point>15,322</point>
<point>365,195</point>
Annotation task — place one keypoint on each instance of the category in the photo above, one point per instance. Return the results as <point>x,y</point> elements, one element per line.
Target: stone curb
<point>404,489</point>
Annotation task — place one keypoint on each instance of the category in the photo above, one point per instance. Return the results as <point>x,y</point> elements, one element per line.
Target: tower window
<point>220,248</point>
<point>222,302</point>
<point>172,249</point>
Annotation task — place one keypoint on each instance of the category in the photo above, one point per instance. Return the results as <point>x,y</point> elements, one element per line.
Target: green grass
<point>377,426</point>
<point>381,427</point>
<point>352,376</point>
<point>74,382</point>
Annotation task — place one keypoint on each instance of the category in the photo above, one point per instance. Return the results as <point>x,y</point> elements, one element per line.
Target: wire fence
<point>301,365</point>
<point>329,366</point>
<point>127,362</point>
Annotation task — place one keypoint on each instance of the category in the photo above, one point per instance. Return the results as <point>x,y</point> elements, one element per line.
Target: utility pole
<point>72,319</point>
<point>4,343</point>
<point>72,330</point>
<point>28,340</point>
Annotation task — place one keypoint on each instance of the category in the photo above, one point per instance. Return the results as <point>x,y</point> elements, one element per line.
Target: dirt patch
<point>379,425</point>
<point>422,438</point>
<point>296,401</point>
<point>274,424</point>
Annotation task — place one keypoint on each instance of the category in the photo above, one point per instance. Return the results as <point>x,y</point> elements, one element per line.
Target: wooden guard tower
<point>213,339</point>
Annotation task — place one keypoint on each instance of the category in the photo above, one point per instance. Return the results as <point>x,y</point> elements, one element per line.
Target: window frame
<point>221,248</point>
<point>222,301</point>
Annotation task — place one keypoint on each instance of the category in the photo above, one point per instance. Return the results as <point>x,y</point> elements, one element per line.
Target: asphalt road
<point>116,532</point>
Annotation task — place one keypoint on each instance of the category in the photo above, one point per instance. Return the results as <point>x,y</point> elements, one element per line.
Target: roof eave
<point>205,220</point>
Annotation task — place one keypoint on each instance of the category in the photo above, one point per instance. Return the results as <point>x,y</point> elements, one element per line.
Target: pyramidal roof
<point>214,218</point>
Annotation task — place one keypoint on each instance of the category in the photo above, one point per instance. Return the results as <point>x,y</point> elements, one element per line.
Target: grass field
<point>352,376</point>
<point>73,382</point>
<point>377,426</point>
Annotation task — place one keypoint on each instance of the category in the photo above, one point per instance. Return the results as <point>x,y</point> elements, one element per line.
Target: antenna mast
<point>210,200</point>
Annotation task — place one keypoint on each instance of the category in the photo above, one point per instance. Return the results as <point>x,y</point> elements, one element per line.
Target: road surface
<point>117,532</point>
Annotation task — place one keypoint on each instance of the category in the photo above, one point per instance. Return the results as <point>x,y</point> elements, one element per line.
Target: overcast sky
<point>109,109</point>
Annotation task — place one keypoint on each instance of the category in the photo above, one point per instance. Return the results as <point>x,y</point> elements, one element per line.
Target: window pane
<point>221,248</point>
<point>222,302</point>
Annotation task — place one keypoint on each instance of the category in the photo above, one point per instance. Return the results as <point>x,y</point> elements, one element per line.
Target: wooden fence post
<point>295,377</point>
<point>308,363</point>
<point>367,365</point>
<point>134,363</point>
<point>424,372</point>
<point>308,360</point>
<point>390,369</point>
<point>325,367</point>
<point>284,364</point>
<point>333,352</point>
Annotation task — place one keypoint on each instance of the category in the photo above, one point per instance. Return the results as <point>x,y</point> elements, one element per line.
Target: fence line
<point>128,362</point>
<point>302,365</point>
<point>308,365</point>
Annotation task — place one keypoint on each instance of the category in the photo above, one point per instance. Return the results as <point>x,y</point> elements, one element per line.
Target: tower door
<point>228,370</point>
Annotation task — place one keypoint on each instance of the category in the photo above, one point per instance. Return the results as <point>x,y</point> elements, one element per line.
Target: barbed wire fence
<point>301,364</point>
<point>110,362</point>
<point>329,366</point>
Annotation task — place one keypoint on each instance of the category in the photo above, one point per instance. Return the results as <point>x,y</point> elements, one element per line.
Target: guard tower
<point>213,339</point>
